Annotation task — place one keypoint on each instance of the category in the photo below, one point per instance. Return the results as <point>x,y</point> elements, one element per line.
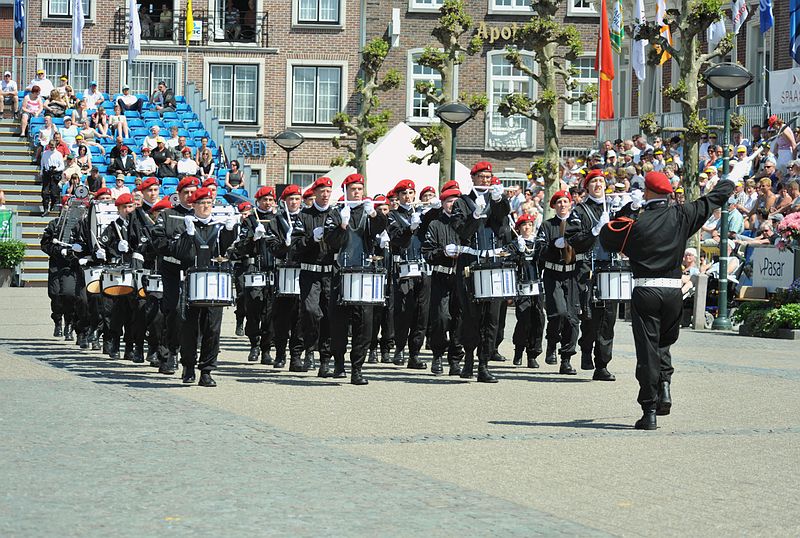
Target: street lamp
<point>727,79</point>
<point>289,141</point>
<point>454,115</point>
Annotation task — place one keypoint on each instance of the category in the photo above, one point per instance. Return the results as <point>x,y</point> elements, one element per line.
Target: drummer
<point>350,230</point>
<point>529,309</point>
<point>383,315</point>
<point>148,310</point>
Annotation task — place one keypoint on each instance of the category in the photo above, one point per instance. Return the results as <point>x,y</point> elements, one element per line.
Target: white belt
<point>581,257</point>
<point>658,282</point>
<point>316,268</point>
<point>444,270</point>
<point>399,259</point>
<point>170,259</point>
<point>559,267</point>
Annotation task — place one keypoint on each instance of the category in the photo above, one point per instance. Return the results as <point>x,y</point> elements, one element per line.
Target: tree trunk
<point>548,119</point>
<point>690,71</point>
<point>361,158</point>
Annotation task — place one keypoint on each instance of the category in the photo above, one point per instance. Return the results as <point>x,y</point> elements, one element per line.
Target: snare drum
<point>117,281</point>
<point>91,276</point>
<point>288,280</point>
<point>613,284</point>
<point>493,281</point>
<point>153,285</point>
<point>138,280</point>
<point>530,289</point>
<point>363,286</point>
<point>410,269</point>
<point>210,287</point>
<point>255,280</point>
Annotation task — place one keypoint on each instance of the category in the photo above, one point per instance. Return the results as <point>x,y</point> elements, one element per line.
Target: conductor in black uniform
<point>654,244</point>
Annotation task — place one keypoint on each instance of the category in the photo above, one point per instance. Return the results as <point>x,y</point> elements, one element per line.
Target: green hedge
<point>11,253</point>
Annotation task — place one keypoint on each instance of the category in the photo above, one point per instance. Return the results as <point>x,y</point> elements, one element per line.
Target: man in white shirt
<point>52,167</point>
<point>145,165</point>
<point>92,96</point>
<point>120,188</point>
<point>129,101</point>
<point>8,87</point>
<point>172,141</point>
<point>151,140</point>
<point>42,81</point>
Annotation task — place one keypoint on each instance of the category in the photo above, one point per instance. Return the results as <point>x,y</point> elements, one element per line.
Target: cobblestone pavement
<point>94,447</point>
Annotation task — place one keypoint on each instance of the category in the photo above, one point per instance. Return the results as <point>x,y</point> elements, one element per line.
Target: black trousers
<point>207,322</point>
<point>258,316</point>
<point>411,308</point>
<point>479,322</point>
<point>240,304</point>
<point>383,324</point>
<point>656,321</point>
<point>61,288</point>
<point>562,306</point>
<point>597,332</point>
<point>51,194</point>
<point>102,315</point>
<point>172,309</point>
<point>315,293</point>
<point>501,324</point>
<point>285,321</point>
<point>529,330</point>
<point>445,317</point>
<point>357,318</point>
<point>152,319</point>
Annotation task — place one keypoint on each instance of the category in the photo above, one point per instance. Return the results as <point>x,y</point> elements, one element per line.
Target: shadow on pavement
<point>586,423</point>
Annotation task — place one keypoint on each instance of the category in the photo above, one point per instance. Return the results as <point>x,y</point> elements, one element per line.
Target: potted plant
<point>11,255</point>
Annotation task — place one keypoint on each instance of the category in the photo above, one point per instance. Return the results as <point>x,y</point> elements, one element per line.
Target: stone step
<point>23,166</point>
<point>21,189</point>
<point>19,180</point>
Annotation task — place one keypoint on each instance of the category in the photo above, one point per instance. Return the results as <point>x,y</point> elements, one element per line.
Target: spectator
<point>32,107</point>
<point>70,167</point>
<point>708,232</point>
<point>44,136</point>
<point>81,116</point>
<point>84,159</point>
<point>205,163</point>
<point>145,165</point>
<point>55,105</point>
<point>70,97</point>
<point>233,27</point>
<point>172,141</point>
<point>52,158</point>
<point>764,203</point>
<point>2,200</point>
<point>202,148</point>
<point>89,134</point>
<point>137,195</point>
<point>61,146</point>
<point>92,96</point>
<point>164,98</point>
<point>63,84</point>
<point>793,173</point>
<point>768,171</point>
<point>151,140</point>
<point>783,146</point>
<point>119,123</point>
<point>8,87</point>
<point>128,101</point>
<point>793,188</point>
<point>74,181</point>
<point>95,180</point>
<point>186,166</point>
<point>124,162</point>
<point>234,178</point>
<point>40,80</point>
<point>164,26</point>
<point>180,146</point>
<point>119,187</point>
<point>165,159</point>
<point>69,133</point>
<point>782,200</point>
<point>115,149</point>
<point>100,122</point>
<point>689,269</point>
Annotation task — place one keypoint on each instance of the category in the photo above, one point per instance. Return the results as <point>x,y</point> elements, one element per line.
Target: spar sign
<point>784,91</point>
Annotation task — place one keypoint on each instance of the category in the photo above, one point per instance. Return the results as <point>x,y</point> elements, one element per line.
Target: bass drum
<point>210,287</point>
<point>492,281</point>
<point>614,284</point>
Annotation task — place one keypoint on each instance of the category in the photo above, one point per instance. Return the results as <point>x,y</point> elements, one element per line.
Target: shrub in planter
<point>785,317</point>
<point>11,253</point>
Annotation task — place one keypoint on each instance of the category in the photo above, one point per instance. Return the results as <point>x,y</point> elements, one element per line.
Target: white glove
<point>436,203</point>
<point>318,234</point>
<point>637,197</point>
<point>451,250</point>
<point>259,232</point>
<point>76,247</point>
<point>231,221</point>
<point>384,238</point>
<point>604,218</point>
<point>288,239</point>
<point>123,246</point>
<point>416,220</point>
<point>345,213</point>
<point>480,205</point>
<point>188,220</point>
<point>560,243</point>
<point>83,261</point>
<point>64,252</point>
<point>369,207</point>
<point>521,244</point>
<point>100,254</point>
<point>496,252</point>
<point>497,192</point>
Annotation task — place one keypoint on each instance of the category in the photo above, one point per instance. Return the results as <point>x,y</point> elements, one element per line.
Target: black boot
<point>324,368</point>
<point>664,399</point>
<point>206,380</point>
<point>338,367</point>
<point>586,360</point>
<point>83,340</point>
<point>280,359</point>
<point>113,348</point>
<point>253,355</point>
<point>296,364</point>
<point>385,358</point>
<point>356,378</point>
<point>106,345</point>
<point>496,356</point>
<point>436,365</point>
<point>372,358</point>
<point>187,375</point>
<point>532,362</point>
<point>469,365</point>
<point>566,367</point>
<point>152,357</point>
<point>415,364</point>
<point>68,336</point>
<point>57,330</point>
<point>518,356</point>
<point>95,341</point>
<point>484,375</point>
<point>138,353</point>
<point>550,357</point>
<point>399,358</point>
<point>239,327</point>
<point>648,420</point>
<point>309,361</point>
<point>128,356</point>
<point>168,364</point>
<point>266,357</point>
<point>602,374</point>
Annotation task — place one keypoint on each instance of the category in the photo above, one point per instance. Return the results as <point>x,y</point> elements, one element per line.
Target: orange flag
<point>604,65</point>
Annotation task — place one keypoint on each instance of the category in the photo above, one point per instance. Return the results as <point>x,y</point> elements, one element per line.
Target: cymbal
<point>220,259</point>
<point>375,258</point>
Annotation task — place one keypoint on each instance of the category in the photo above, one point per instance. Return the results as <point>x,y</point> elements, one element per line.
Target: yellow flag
<point>189,22</point>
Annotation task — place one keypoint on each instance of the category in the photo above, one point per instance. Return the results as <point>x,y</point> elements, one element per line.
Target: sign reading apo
<point>772,268</point>
<point>784,91</point>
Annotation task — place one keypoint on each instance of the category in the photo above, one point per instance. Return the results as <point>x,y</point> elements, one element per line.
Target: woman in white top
<point>187,166</point>
<point>81,116</point>
<point>145,165</point>
<point>44,136</point>
<point>32,107</point>
<point>119,123</point>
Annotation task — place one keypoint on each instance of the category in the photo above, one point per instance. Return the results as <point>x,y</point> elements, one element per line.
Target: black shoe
<point>138,354</point>
<point>296,365</point>
<point>385,358</point>
<point>266,357</point>
<point>566,367</point>
<point>455,368</point>
<point>586,361</point>
<point>467,371</point>
<point>485,376</point>
<point>648,421</point>
<point>280,361</point>
<point>357,379</point>
<point>399,358</point>
<point>415,364</point>
<point>436,365</point>
<point>187,376</point>
<point>372,358</point>
<point>496,356</point>
<point>96,343</point>
<point>532,362</point>
<point>324,368</point>
<point>550,358</point>
<point>83,341</point>
<point>206,380</point>
<point>664,399</point>
<point>518,356</point>
<point>309,361</point>
<point>602,374</point>
<point>68,335</point>
<point>253,355</point>
<point>239,328</point>
<point>106,346</point>
<point>168,365</point>
<point>128,355</point>
<point>152,358</point>
<point>339,373</point>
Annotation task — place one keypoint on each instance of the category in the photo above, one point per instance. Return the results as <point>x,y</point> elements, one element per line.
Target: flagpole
<point>25,48</point>
<point>72,49</point>
<point>599,56</point>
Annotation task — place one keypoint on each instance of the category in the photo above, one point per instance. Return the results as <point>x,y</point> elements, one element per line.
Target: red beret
<point>322,182</point>
<point>309,193</point>
<point>124,148</point>
<point>100,192</point>
<point>449,193</point>
<point>145,148</point>
<point>244,206</point>
<point>427,189</point>
<point>353,178</point>
<point>591,175</point>
<point>164,203</point>
<point>266,190</point>
<point>772,119</point>
<point>201,194</point>
<point>210,182</point>
<point>186,150</point>
<point>341,198</point>
<point>658,182</point>
<point>188,181</point>
<point>380,200</point>
<point>147,183</point>
<point>480,167</point>
<point>404,185</point>
<point>391,194</point>
<point>559,195</point>
<point>290,190</point>
<point>525,218</point>
<point>452,184</point>
<point>496,180</point>
<point>124,199</point>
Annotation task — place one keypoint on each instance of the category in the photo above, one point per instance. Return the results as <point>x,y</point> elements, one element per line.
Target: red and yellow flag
<point>604,65</point>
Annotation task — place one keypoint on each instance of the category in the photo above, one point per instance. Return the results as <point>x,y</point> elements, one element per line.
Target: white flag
<point>738,14</point>
<point>134,31</point>
<point>715,34</point>
<point>77,26</point>
<point>639,45</point>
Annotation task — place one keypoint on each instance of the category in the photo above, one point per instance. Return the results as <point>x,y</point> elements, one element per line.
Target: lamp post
<point>289,141</point>
<point>454,115</point>
<point>727,79</point>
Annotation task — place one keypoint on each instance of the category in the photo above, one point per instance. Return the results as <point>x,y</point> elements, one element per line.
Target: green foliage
<point>696,126</point>
<point>737,121</point>
<point>547,98</point>
<point>11,253</point>
<point>785,317</point>
<point>516,103</point>
<point>648,123</point>
<point>745,311</point>
<point>676,92</point>
<point>763,319</point>
<point>476,101</point>
<point>391,80</point>
<point>538,169</point>
<point>703,13</point>
<point>432,139</point>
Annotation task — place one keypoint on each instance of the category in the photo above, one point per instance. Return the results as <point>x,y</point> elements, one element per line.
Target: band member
<point>349,230</point>
<point>383,315</point>
<point>529,309</point>
<point>60,279</point>
<point>440,243</point>
<point>598,317</point>
<point>411,292</point>
<point>479,218</point>
<point>98,305</point>
<point>165,234</point>
<point>654,244</point>
<point>560,284</point>
<point>283,234</point>
<point>316,270</point>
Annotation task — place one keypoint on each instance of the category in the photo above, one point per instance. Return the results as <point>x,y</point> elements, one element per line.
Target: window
<point>418,109</point>
<point>304,178</point>
<point>514,132</point>
<point>233,94</point>
<point>145,75</point>
<point>510,5</point>
<point>158,20</point>
<point>424,5</point>
<point>581,7</point>
<point>318,11</point>
<point>585,75</point>
<point>316,94</point>
<point>63,8</point>
<point>759,56</point>
<point>79,80</point>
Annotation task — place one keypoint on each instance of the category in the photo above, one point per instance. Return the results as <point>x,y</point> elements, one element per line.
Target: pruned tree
<point>454,24</point>
<point>689,22</point>
<point>552,44</point>
<point>369,124</point>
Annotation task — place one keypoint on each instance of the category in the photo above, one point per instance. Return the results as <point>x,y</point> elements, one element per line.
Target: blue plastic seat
<point>102,168</point>
<point>95,150</point>
<point>169,116</point>
<point>39,120</point>
<point>130,142</point>
<point>150,123</point>
<point>169,182</point>
<point>240,192</point>
<point>139,131</point>
<point>180,99</point>
<point>169,191</point>
<point>182,107</point>
<point>136,123</point>
<point>58,121</point>
<point>130,114</point>
<point>222,191</point>
<point>109,105</point>
<point>150,115</point>
<point>194,125</point>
